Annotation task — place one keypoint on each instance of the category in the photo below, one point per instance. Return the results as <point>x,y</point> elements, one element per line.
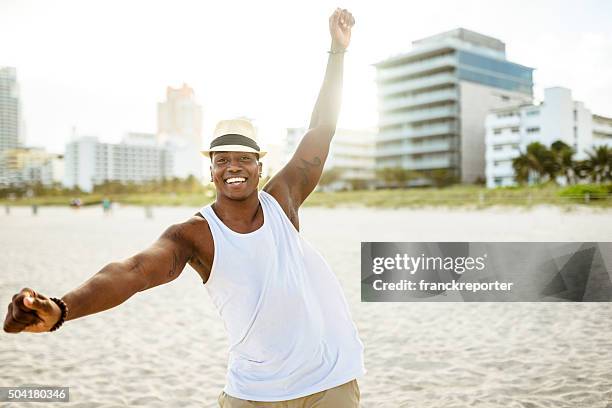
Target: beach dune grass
<point>455,196</point>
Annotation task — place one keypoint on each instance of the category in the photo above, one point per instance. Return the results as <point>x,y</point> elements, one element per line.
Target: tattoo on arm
<point>306,166</point>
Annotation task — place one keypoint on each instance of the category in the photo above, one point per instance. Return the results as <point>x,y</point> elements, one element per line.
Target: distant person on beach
<point>75,203</point>
<point>293,342</point>
<point>106,205</point>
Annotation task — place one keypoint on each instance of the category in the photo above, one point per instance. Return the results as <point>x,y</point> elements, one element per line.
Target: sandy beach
<point>166,347</point>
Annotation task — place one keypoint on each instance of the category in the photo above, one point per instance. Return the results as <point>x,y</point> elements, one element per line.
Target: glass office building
<point>10,109</point>
<point>434,99</point>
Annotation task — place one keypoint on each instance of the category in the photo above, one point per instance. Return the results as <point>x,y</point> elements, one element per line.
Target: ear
<point>211,176</point>
<point>260,165</point>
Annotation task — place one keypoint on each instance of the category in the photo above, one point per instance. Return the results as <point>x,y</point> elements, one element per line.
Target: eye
<point>245,158</point>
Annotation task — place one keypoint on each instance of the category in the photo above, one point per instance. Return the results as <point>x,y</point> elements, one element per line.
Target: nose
<point>234,165</point>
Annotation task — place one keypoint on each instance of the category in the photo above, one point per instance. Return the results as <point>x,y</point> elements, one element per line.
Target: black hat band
<point>234,139</point>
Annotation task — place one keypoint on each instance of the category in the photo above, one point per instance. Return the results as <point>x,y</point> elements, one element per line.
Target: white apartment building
<point>352,153</point>
<point>509,131</point>
<point>602,131</point>
<point>137,158</point>
<point>434,99</point>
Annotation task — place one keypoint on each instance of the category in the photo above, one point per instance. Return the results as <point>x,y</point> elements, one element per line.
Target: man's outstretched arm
<point>301,175</point>
<point>161,263</point>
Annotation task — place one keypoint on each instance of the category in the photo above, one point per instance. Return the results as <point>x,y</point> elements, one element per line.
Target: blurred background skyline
<point>102,67</point>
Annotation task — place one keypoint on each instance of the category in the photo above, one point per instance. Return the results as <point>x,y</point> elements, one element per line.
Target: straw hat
<point>234,135</point>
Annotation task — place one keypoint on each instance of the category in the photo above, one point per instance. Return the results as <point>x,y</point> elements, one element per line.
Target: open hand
<point>340,24</point>
<point>31,312</point>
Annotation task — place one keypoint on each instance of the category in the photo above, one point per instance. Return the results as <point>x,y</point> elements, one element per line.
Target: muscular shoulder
<point>191,233</point>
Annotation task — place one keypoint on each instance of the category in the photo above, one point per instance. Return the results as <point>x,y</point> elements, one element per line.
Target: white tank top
<point>289,325</point>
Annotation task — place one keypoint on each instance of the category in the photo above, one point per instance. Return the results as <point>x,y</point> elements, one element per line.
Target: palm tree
<point>581,169</point>
<point>562,154</point>
<point>600,164</point>
<point>545,158</point>
<point>521,168</point>
<point>537,163</point>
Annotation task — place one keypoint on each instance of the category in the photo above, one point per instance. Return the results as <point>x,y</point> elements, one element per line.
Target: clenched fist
<point>31,312</point>
<point>340,25</point>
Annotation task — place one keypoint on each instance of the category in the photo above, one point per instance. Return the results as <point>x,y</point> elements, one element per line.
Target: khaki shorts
<point>343,396</point>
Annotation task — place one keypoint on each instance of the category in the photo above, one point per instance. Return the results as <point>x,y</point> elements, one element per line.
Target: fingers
<point>23,317</point>
<point>341,18</point>
<point>333,19</point>
<point>27,292</point>
<point>10,325</point>
<point>36,304</point>
<point>22,311</point>
<point>27,299</point>
<point>18,299</point>
<point>346,19</point>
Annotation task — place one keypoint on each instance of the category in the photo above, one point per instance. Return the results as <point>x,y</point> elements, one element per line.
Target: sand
<point>166,347</point>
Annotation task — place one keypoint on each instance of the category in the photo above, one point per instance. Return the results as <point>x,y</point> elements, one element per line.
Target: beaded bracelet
<point>336,52</point>
<point>64,308</point>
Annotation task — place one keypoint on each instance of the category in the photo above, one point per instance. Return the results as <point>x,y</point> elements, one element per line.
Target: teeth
<point>234,180</point>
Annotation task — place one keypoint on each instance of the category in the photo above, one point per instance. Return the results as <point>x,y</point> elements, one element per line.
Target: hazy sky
<point>102,66</point>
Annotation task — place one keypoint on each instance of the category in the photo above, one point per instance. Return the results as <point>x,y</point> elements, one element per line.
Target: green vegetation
<point>454,196</point>
<point>580,192</point>
<point>540,164</point>
<point>466,196</point>
<point>399,177</point>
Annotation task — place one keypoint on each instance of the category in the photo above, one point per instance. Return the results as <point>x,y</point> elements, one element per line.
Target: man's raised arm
<point>162,262</point>
<point>327,107</point>
<point>301,175</point>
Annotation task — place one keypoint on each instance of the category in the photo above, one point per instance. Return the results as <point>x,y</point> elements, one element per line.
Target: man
<point>293,342</point>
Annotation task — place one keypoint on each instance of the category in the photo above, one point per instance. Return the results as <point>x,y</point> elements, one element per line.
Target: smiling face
<point>235,174</point>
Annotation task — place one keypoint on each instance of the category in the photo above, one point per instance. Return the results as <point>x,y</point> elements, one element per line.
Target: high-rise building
<point>433,101</point>
<point>89,162</point>
<point>509,131</point>
<point>180,117</point>
<point>11,124</point>
<point>179,128</point>
<point>351,154</point>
